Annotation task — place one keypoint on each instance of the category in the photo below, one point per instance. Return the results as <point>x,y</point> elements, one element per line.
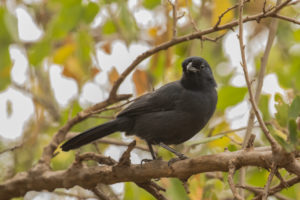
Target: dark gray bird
<point>171,114</point>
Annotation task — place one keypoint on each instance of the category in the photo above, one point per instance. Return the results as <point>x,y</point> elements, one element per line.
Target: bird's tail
<point>95,133</point>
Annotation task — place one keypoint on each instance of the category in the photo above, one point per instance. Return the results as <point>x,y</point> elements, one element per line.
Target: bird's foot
<point>149,160</point>
<point>145,161</point>
<point>173,160</point>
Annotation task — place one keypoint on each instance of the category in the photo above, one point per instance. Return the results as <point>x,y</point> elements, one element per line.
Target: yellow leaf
<point>72,69</point>
<point>221,143</point>
<point>61,54</point>
<point>182,3</point>
<point>221,6</point>
<point>281,134</point>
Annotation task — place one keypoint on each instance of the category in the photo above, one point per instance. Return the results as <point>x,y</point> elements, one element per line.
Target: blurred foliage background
<point>90,42</point>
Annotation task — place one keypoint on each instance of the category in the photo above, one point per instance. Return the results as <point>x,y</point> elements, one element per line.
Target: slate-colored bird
<point>171,114</point>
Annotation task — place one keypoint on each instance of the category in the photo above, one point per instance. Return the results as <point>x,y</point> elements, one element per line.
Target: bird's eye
<point>202,66</point>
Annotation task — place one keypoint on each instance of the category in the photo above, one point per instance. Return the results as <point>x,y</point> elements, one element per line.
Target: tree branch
<point>188,37</point>
<point>270,178</point>
<point>89,177</point>
<point>260,80</point>
<point>275,146</point>
<point>289,19</point>
<point>231,172</point>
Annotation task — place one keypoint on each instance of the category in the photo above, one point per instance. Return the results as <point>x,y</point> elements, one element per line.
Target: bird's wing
<point>165,98</point>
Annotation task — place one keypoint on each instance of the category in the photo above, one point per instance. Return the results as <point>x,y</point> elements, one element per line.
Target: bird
<point>170,115</point>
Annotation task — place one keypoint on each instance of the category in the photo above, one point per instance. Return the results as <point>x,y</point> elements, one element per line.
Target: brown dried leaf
<point>113,75</point>
<point>94,71</point>
<point>106,47</point>
<point>141,81</point>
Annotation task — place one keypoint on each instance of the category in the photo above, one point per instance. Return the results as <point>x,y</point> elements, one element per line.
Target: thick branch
<point>89,177</point>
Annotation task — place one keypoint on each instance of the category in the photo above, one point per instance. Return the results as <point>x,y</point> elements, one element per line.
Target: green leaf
<point>85,46</point>
<point>297,35</point>
<point>90,11</point>
<point>127,22</point>
<point>131,191</point>
<point>151,4</point>
<point>294,110</point>
<point>232,147</point>
<point>66,20</point>
<point>176,190</point>
<point>39,51</point>
<point>109,27</point>
<point>5,67</point>
<point>6,38</point>
<point>282,111</point>
<point>293,133</point>
<point>283,143</point>
<point>258,177</point>
<point>230,95</point>
<point>264,106</point>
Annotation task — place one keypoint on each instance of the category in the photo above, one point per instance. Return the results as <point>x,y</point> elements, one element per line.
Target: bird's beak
<point>190,68</point>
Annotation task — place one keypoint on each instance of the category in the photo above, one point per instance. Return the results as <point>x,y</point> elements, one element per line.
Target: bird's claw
<point>173,160</point>
<point>145,160</point>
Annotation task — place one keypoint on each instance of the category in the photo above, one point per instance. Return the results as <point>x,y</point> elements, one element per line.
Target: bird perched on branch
<point>171,114</point>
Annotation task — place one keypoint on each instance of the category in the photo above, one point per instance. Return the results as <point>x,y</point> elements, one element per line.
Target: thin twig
<point>50,106</point>
<point>100,194</point>
<point>282,181</point>
<point>275,146</point>
<point>61,193</point>
<point>153,189</point>
<point>96,157</point>
<point>231,171</point>
<point>286,18</point>
<point>267,186</point>
<point>174,14</point>
<point>12,148</point>
<point>259,191</point>
<point>281,197</point>
<point>125,158</point>
<point>188,37</point>
<point>264,6</point>
<point>260,79</point>
<point>226,11</point>
<point>194,25</point>
<point>250,143</point>
<point>104,191</point>
<point>212,39</point>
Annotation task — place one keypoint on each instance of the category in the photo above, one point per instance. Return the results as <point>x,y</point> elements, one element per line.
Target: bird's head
<point>197,72</point>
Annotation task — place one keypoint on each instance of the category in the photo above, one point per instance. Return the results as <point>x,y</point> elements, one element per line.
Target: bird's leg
<point>152,151</point>
<point>153,154</point>
<point>179,155</point>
